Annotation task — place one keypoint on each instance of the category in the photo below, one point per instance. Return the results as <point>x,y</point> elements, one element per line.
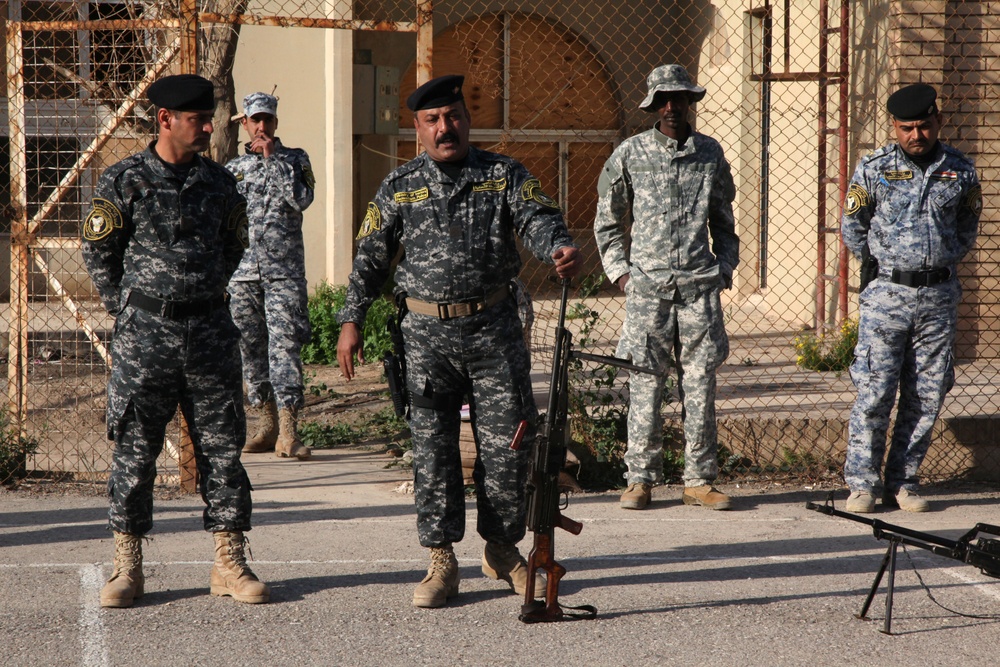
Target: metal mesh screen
<point>796,93</point>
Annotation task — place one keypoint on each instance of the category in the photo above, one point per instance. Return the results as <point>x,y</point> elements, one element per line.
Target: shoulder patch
<point>974,200</point>
<point>411,197</point>
<point>308,177</point>
<point>490,186</point>
<point>532,191</point>
<point>857,197</point>
<point>103,219</point>
<point>238,222</point>
<point>372,222</point>
<point>905,175</point>
<point>239,176</point>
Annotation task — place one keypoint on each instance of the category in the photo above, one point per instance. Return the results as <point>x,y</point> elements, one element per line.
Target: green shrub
<point>323,307</point>
<point>830,352</point>
<point>14,449</point>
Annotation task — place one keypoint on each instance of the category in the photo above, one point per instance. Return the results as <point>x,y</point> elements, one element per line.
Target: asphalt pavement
<point>766,583</point>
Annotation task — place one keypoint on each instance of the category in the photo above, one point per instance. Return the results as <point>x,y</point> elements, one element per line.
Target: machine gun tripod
<point>984,553</point>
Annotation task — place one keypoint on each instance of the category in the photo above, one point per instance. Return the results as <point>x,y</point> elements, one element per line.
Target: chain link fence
<point>796,93</point>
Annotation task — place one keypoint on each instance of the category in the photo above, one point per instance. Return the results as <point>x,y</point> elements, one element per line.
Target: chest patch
<point>944,176</point>
<point>490,186</point>
<point>103,219</point>
<point>905,175</point>
<point>410,197</point>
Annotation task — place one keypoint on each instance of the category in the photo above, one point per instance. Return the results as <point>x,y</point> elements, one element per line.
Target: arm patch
<point>857,198</point>
<point>974,200</point>
<point>103,219</point>
<point>308,177</point>
<point>371,223</point>
<point>531,190</point>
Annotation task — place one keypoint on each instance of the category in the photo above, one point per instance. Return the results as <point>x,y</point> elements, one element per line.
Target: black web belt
<point>927,278</point>
<point>447,311</point>
<point>175,310</point>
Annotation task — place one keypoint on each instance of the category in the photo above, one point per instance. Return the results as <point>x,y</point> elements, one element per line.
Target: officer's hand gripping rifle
<point>984,553</point>
<point>545,501</point>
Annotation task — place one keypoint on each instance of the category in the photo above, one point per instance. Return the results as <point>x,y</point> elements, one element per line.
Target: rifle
<point>394,363</point>
<point>545,501</point>
<point>984,554</point>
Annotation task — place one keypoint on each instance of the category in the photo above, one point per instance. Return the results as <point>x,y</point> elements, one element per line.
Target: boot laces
<point>441,560</point>
<point>237,548</point>
<point>128,553</point>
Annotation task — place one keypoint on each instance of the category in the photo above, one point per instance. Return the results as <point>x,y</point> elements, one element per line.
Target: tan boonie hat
<point>669,79</point>
<point>256,103</point>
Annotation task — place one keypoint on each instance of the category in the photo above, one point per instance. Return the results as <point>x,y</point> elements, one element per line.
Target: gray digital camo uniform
<point>268,290</point>
<point>459,244</point>
<point>676,197</point>
<point>912,220</point>
<point>150,233</point>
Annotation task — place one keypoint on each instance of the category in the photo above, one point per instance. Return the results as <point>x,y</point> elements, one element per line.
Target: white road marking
<point>94,650</point>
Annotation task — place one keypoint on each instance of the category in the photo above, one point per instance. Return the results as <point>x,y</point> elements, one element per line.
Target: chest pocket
<point>947,196</point>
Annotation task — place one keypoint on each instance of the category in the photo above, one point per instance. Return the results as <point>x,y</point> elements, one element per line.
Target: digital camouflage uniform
<point>459,244</point>
<point>149,233</point>
<point>269,294</point>
<point>911,220</point>
<point>675,197</point>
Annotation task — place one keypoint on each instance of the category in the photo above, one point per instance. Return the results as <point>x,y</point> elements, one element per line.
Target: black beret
<point>439,92</point>
<point>183,92</point>
<point>914,102</point>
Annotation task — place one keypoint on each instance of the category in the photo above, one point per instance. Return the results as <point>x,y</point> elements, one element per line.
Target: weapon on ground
<point>545,501</point>
<point>984,553</point>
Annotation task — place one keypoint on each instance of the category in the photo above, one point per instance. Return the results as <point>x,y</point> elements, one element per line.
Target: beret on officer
<point>669,79</point>
<point>439,92</point>
<point>914,102</point>
<point>183,92</point>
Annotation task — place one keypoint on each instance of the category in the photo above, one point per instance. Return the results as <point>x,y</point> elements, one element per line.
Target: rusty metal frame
<point>25,241</point>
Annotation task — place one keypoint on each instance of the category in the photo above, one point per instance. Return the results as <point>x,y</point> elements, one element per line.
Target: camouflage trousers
<point>481,357</point>
<point>691,336</point>
<point>905,341</point>
<point>273,319</point>
<point>158,364</point>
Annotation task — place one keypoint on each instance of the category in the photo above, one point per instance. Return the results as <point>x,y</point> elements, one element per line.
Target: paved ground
<point>768,583</point>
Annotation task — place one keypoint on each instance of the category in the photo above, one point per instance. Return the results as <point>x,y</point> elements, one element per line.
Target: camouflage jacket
<point>912,219</point>
<point>673,198</point>
<point>277,190</point>
<point>458,238</point>
<point>168,239</point>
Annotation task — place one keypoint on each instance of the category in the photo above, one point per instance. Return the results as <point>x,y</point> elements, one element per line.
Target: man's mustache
<point>448,136</point>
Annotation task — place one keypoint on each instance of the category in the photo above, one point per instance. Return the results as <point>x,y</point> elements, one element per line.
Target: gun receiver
<point>984,553</point>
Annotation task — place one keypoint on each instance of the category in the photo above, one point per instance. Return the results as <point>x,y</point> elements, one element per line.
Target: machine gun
<point>394,363</point>
<point>545,501</point>
<point>984,553</point>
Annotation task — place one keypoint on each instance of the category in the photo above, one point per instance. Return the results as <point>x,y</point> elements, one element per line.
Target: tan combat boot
<point>231,575</point>
<point>289,445</point>
<point>126,583</point>
<point>705,495</point>
<point>504,562</point>
<point>441,581</point>
<point>266,435</point>
<point>636,496</point>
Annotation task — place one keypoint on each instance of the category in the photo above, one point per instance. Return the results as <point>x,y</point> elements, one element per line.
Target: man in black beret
<point>166,230</point>
<point>455,210</point>
<point>911,212</point>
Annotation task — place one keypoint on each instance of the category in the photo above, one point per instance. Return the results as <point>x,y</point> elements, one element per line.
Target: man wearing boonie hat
<point>676,187</point>
<point>166,230</point>
<point>454,211</point>
<point>913,207</point>
<point>269,293</point>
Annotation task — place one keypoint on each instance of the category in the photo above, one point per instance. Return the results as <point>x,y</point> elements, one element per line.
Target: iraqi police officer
<point>675,186</point>
<point>166,231</point>
<point>914,207</point>
<point>268,291</point>
<point>454,211</point>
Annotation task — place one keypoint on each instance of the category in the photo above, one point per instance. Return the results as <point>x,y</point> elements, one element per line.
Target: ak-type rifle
<point>545,500</point>
<point>981,552</point>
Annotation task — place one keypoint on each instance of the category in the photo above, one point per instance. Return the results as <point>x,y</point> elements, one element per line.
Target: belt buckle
<point>443,313</point>
<point>168,309</point>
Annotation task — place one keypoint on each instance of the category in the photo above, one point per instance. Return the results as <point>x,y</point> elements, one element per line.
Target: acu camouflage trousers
<point>483,357</point>
<point>690,335</point>
<point>273,319</point>
<point>157,364</point>
<point>905,341</point>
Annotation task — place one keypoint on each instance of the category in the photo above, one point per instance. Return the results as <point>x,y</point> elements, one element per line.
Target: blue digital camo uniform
<point>269,295</point>
<point>912,221</point>
<point>459,243</point>
<point>150,233</point>
<point>676,198</point>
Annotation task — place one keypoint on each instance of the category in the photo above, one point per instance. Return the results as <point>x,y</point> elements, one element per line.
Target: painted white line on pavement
<point>94,650</point>
<point>986,588</point>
